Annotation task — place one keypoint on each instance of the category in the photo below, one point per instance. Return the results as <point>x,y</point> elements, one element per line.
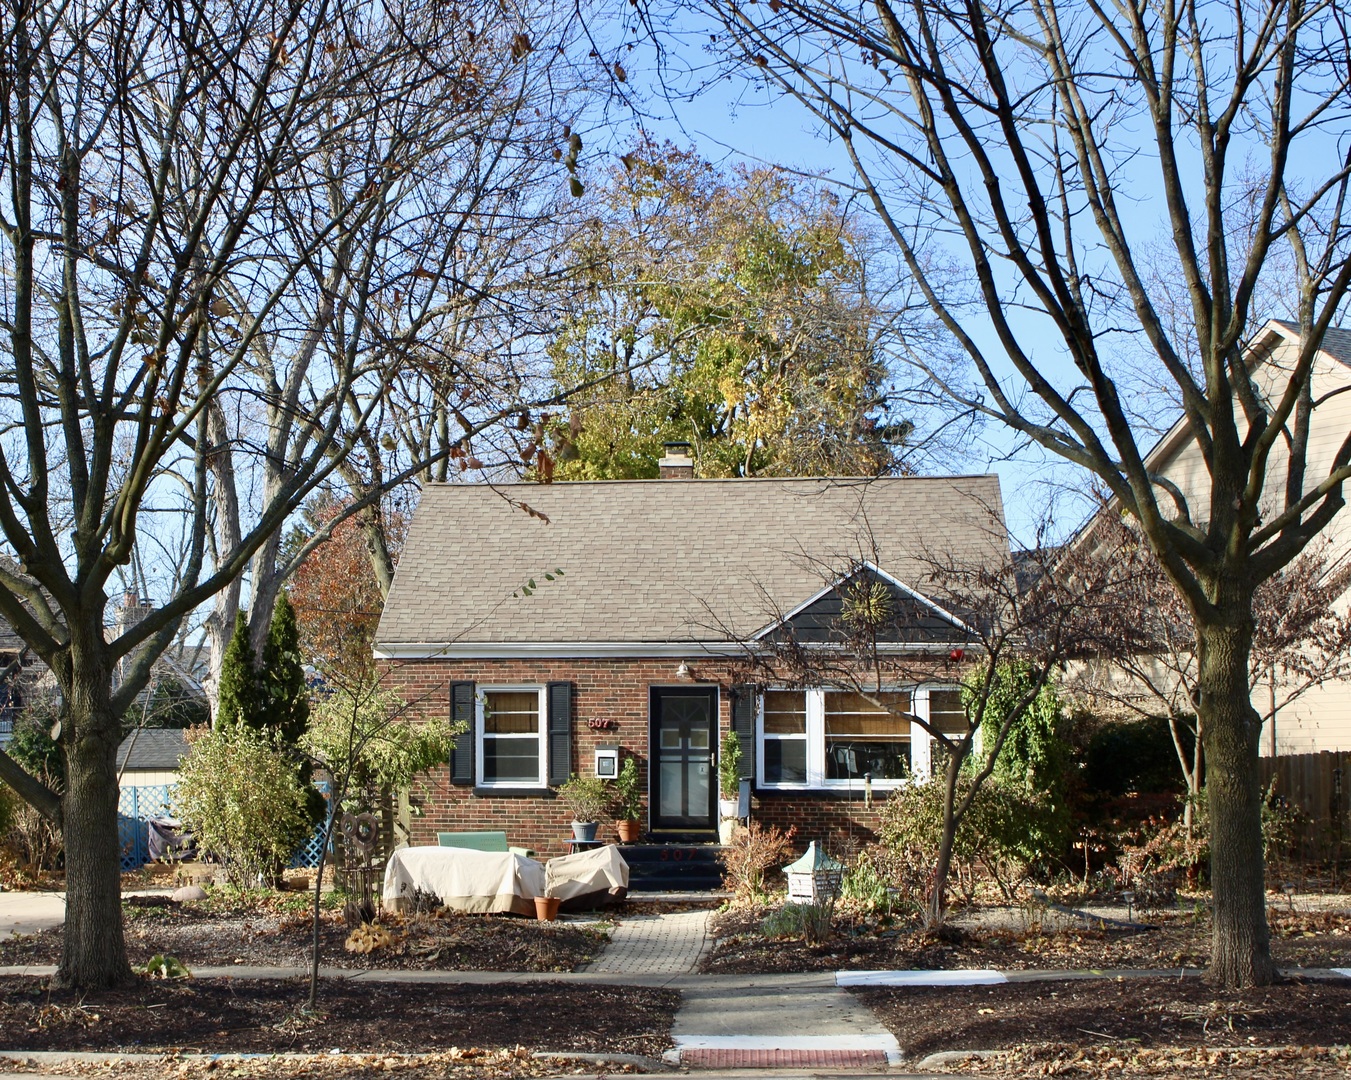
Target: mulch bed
<point>200,936</point>
<point>1115,1062</point>
<point>1175,940</point>
<point>1124,1014</point>
<point>238,1016</point>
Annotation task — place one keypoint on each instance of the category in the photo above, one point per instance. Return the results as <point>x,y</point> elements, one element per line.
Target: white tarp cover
<point>465,880</point>
<point>595,871</point>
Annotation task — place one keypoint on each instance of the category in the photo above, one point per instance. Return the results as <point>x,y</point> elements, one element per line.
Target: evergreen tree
<point>284,699</point>
<point>238,693</point>
<point>285,704</point>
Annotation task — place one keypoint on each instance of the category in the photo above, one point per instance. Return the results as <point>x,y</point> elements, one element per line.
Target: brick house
<point>555,620</point>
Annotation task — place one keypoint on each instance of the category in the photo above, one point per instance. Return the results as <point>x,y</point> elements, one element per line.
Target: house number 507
<point>600,725</point>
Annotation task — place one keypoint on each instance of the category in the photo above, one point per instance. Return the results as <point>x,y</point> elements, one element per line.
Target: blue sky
<point>757,128</point>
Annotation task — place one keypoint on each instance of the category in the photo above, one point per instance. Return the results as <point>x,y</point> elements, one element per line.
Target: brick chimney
<point>676,464</point>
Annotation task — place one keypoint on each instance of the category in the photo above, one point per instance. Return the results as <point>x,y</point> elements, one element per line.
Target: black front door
<point>684,776</point>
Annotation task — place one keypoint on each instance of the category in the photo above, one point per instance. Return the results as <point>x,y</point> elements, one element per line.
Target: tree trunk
<point>93,952</point>
<point>1231,728</point>
<point>938,895</point>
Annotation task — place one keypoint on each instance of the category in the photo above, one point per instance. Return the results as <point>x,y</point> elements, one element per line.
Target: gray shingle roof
<point>152,748</point>
<point>667,560</point>
<point>1336,340</point>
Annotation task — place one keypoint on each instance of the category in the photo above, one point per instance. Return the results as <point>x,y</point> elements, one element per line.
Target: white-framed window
<point>825,738</point>
<point>511,732</point>
<point>783,738</point>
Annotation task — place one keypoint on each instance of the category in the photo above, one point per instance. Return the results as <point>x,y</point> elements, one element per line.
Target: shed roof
<point>666,561</point>
<point>159,749</point>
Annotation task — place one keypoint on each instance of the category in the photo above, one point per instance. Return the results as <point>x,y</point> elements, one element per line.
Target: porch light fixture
<point>683,671</point>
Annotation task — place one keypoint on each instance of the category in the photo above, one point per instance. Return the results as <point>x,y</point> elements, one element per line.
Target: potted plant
<point>546,908</point>
<point>729,785</point>
<point>589,798</point>
<point>628,802</point>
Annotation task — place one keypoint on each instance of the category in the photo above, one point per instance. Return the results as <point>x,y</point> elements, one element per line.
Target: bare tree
<point>437,297</point>
<point>1033,142</point>
<point>1140,652</point>
<point>204,204</point>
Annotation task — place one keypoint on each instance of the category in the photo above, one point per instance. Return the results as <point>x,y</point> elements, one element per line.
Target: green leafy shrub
<point>358,733</point>
<point>1127,757</point>
<point>161,966</point>
<point>628,802</point>
<point>993,834</point>
<point>1029,809</point>
<point>729,766</point>
<point>239,795</point>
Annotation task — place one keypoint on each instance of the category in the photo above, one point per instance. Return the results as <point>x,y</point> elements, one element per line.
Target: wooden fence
<point>1319,785</point>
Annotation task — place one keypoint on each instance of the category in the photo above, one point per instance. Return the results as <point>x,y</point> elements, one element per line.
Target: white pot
<point>727,808</point>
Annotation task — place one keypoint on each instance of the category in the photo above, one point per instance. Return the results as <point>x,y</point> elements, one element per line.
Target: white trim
<point>481,700</point>
<point>952,977</point>
<point>760,737</point>
<point>913,593</point>
<point>637,650</point>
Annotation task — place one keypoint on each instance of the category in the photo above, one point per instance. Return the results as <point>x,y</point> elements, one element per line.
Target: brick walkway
<point>655,945</point>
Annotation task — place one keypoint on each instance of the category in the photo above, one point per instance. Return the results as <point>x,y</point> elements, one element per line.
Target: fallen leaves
<point>1051,1059</point>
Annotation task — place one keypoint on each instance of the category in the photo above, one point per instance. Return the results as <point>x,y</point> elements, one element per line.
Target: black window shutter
<point>462,712</point>
<point>560,732</point>
<point>743,723</point>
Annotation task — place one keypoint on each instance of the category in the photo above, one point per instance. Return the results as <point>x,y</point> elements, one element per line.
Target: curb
<point>638,1061</point>
<point>956,1057</point>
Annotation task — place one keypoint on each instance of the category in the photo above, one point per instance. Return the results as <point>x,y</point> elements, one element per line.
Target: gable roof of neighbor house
<point>1336,345</point>
<point>663,562</point>
<point>157,749</point>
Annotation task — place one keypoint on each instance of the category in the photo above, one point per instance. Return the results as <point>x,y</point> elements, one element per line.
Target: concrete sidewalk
<point>29,912</point>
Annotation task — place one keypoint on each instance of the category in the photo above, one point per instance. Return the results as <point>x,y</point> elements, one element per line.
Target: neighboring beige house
<point>149,757</point>
<point>1320,718</point>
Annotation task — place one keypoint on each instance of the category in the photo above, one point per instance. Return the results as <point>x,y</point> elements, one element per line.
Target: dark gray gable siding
<point>911,620</point>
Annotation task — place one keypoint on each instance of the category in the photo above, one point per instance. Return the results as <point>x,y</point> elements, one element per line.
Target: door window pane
<point>672,803</point>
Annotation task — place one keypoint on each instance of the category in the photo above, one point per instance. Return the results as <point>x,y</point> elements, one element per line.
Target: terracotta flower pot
<point>546,908</point>
<point>628,831</point>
